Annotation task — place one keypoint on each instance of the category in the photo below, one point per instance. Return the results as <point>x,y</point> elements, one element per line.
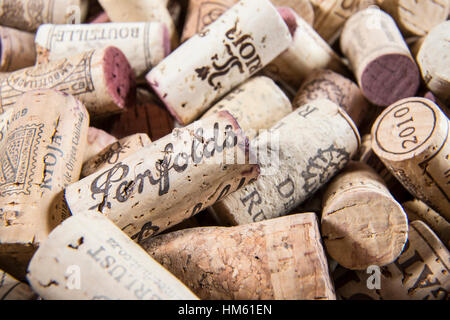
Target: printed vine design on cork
<point>209,12</point>
<point>12,12</point>
<point>241,54</point>
<point>34,11</point>
<point>18,160</point>
<point>65,76</point>
<point>322,167</point>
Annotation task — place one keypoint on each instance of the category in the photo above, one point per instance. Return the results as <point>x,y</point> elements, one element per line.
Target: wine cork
<point>170,180</point>
<point>330,15</point>
<point>97,140</point>
<point>12,289</point>
<point>101,79</point>
<point>420,273</point>
<point>257,104</point>
<point>17,49</point>
<point>297,156</point>
<point>326,84</point>
<point>417,17</point>
<point>28,15</point>
<point>40,156</point>
<point>115,153</point>
<point>379,57</point>
<point>303,8</point>
<point>362,224</point>
<point>141,11</point>
<point>308,51</point>
<point>263,260</point>
<point>411,138</point>
<point>417,210</point>
<point>88,258</point>
<point>434,61</point>
<point>144,44</point>
<point>234,47</point>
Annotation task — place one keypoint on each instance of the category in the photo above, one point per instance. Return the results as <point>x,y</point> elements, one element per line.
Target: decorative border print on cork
<point>420,273</point>
<point>12,289</point>
<point>170,180</point>
<point>277,259</point>
<point>40,156</point>
<point>144,44</point>
<point>233,48</point>
<point>28,15</point>
<point>88,258</point>
<point>411,138</point>
<point>301,153</point>
<point>102,79</point>
<point>379,57</point>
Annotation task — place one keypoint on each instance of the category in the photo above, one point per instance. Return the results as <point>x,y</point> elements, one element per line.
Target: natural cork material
<point>233,48</point>
<point>326,84</point>
<point>280,259</point>
<point>301,153</point>
<point>88,258</point>
<point>420,273</point>
<point>97,140</point>
<point>12,289</point>
<point>362,224</point>
<point>417,210</point>
<point>434,61</point>
<point>379,57</point>
<point>144,44</point>
<point>101,79</point>
<point>411,137</point>
<point>416,17</point>
<point>308,51</point>
<point>17,49</point>
<point>41,155</point>
<point>115,153</point>
<point>257,105</point>
<point>170,180</point>
<point>28,15</point>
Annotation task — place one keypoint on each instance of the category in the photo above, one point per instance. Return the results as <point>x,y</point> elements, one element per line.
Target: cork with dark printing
<point>12,289</point>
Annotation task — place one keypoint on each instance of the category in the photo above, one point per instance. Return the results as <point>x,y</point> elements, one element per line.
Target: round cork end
<point>390,78</point>
<point>289,17</point>
<point>119,77</point>
<point>364,228</point>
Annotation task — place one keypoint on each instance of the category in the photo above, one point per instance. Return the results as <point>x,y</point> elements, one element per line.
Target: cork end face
<point>119,77</point>
<point>390,78</point>
<point>289,17</point>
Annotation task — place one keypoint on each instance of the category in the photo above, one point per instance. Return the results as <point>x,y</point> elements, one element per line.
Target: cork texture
<point>12,289</point>
<point>17,49</point>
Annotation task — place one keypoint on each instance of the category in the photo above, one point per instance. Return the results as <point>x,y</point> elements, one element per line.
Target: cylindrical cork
<point>101,79</point>
<point>303,8</point>
<point>144,44</point>
<point>257,104</point>
<point>170,180</point>
<point>362,224</point>
<point>330,15</point>
<point>17,49</point>
<point>280,259</point>
<point>88,258</point>
<point>12,289</point>
<point>420,273</point>
<point>297,156</point>
<point>308,51</point>
<point>97,140</point>
<point>115,153</point>
<point>326,84</point>
<point>411,137</point>
<point>234,47</point>
<point>417,210</point>
<point>141,11</point>
<point>417,17</point>
<point>434,61</point>
<point>28,15</point>
<point>40,155</point>
<point>379,57</point>
<point>101,17</point>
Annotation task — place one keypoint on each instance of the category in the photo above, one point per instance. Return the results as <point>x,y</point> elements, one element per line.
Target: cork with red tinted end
<point>411,137</point>
<point>13,289</point>
<point>278,259</point>
<point>379,57</point>
<point>420,273</point>
<point>326,84</point>
<point>102,79</point>
<point>17,49</point>
<point>101,17</point>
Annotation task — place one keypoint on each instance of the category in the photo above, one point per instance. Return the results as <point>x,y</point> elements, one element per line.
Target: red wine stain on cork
<point>288,16</point>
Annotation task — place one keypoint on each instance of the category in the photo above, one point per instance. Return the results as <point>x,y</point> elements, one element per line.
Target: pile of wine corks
<point>224,149</point>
